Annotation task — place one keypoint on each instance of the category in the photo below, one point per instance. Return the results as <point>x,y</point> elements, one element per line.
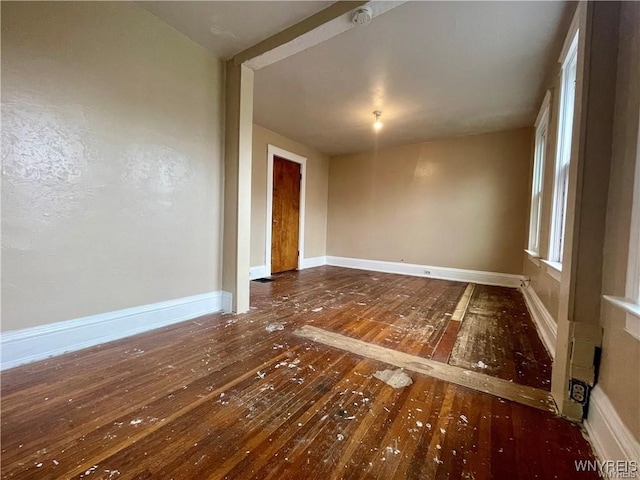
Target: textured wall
<point>460,203</point>
<point>111,161</point>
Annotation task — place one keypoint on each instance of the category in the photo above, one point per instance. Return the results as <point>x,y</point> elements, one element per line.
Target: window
<point>632,292</point>
<point>633,275</point>
<point>563,153</point>
<point>539,155</point>
<point>631,302</point>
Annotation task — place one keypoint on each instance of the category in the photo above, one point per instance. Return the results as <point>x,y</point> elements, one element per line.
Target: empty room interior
<point>320,240</point>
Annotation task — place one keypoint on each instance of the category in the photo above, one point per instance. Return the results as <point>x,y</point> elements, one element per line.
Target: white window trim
<point>632,325</point>
<point>533,257</point>
<point>554,269</point>
<point>571,33</point>
<point>631,303</point>
<point>537,180</point>
<point>563,152</point>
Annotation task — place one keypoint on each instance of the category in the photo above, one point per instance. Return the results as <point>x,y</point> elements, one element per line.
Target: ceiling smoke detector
<point>362,16</point>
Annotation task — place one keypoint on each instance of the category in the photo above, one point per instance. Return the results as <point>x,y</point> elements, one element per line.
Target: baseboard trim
<point>226,302</point>
<point>260,271</point>
<point>546,325</point>
<point>313,262</point>
<point>444,273</point>
<point>257,272</point>
<point>610,437</point>
<point>37,343</point>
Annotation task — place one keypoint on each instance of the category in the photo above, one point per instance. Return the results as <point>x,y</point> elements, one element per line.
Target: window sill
<point>533,257</point>
<point>633,314</point>
<point>554,269</point>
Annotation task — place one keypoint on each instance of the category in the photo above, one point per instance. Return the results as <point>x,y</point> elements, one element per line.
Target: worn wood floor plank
<point>498,337</point>
<point>466,378</point>
<point>463,304</point>
<point>242,397</point>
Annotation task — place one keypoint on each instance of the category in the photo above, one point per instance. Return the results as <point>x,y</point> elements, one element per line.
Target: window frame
<point>563,150</point>
<point>537,180</point>
<point>631,303</point>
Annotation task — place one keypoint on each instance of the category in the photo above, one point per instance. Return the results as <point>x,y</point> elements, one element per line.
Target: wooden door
<point>285,221</point>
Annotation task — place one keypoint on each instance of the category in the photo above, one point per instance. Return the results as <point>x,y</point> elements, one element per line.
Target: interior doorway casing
<point>273,151</point>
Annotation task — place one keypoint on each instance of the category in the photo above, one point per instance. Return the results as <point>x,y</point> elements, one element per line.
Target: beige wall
<point>315,231</point>
<point>236,240</point>
<point>547,288</point>
<point>458,203</point>
<point>545,285</point>
<point>619,371</point>
<point>111,149</point>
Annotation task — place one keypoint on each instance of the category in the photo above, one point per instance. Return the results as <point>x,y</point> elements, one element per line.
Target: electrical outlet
<point>578,391</point>
<point>427,272</point>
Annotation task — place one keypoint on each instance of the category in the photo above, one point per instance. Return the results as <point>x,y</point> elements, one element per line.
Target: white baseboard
<point>257,272</point>
<point>226,301</point>
<point>31,344</point>
<point>455,274</point>
<point>610,437</point>
<point>313,262</point>
<point>546,325</point>
<point>260,271</point>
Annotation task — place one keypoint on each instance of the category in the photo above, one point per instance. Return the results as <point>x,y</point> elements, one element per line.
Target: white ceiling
<point>229,27</point>
<point>435,69</point>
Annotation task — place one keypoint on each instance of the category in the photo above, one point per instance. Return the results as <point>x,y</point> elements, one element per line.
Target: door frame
<point>273,151</point>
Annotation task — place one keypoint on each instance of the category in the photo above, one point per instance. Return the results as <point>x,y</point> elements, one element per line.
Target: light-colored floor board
<point>480,382</point>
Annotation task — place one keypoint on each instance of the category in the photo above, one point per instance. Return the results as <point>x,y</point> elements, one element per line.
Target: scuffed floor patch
<point>274,327</point>
<point>394,378</point>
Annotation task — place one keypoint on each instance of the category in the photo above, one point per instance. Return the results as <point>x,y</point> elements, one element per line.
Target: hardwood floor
<point>499,338</point>
<point>241,396</point>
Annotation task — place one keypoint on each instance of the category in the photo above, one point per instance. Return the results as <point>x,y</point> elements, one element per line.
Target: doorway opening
<point>286,185</point>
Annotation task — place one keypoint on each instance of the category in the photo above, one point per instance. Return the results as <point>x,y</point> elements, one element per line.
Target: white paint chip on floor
<point>394,378</point>
<point>274,327</point>
<point>503,389</point>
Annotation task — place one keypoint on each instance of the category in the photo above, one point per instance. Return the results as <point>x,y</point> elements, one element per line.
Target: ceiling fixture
<point>377,125</point>
<point>362,16</point>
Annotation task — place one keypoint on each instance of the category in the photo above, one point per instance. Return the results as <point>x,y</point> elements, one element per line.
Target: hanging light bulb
<point>377,125</point>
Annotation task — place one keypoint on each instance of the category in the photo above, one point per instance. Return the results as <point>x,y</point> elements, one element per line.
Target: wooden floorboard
<point>480,382</point>
<point>498,337</point>
<point>227,396</point>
